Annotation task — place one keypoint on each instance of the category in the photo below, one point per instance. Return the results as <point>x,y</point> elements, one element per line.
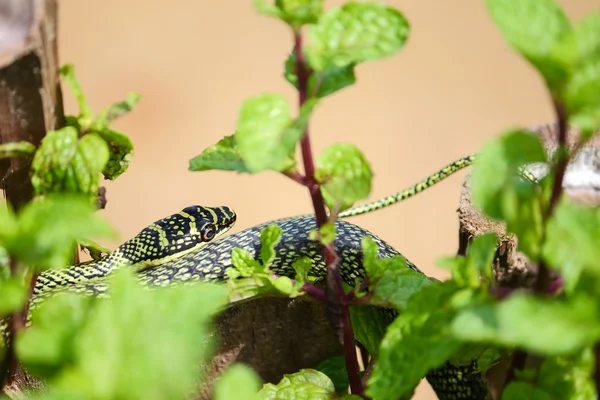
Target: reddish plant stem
<point>339,311</point>
<point>541,285</point>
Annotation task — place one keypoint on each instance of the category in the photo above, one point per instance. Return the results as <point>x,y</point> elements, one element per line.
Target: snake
<point>188,246</point>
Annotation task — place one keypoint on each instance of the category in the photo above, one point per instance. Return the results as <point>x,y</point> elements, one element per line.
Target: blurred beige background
<point>454,85</point>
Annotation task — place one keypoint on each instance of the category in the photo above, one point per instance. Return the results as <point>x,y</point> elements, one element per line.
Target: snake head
<point>171,237</point>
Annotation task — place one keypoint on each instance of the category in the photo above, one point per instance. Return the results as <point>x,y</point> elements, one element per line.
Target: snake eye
<point>208,232</point>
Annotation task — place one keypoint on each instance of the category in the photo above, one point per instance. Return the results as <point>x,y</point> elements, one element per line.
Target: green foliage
<point>571,246</point>
<point>467,271</point>
<point>524,391</point>
<point>540,31</point>
<point>223,156</point>
<point>321,83</point>
<point>120,147</point>
<point>257,277</point>
<point>544,326</point>
<point>294,12</point>
<point>369,324</point>
<point>144,344</point>
<point>237,382</point>
<point>266,134</point>
<point>16,149</point>
<point>417,341</point>
<point>354,33</point>
<point>53,226</point>
<point>325,234</point>
<point>12,295</point>
<point>307,384</point>
<point>345,174</point>
<point>507,197</point>
<point>66,164</point>
<point>335,368</point>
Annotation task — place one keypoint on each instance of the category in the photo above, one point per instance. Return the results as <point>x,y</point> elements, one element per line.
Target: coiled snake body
<point>181,248</point>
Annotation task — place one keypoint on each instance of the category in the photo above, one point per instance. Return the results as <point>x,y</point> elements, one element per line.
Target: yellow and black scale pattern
<point>161,241</point>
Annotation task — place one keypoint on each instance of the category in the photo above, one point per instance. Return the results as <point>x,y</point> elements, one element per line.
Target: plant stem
<point>542,282</point>
<point>338,309</point>
<point>16,322</point>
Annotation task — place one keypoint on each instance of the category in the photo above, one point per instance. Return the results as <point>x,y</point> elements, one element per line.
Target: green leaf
<point>85,117</point>
<point>354,33</point>
<point>569,377</point>
<point>345,173</point>
<point>120,153</point>
<point>524,391</point>
<point>294,12</point>
<point>335,368</point>
<point>13,295</point>
<point>417,341</point>
<point>369,325</point>
<point>302,265</point>
<point>117,110</point>
<point>67,165</point>
<point>172,335</point>
<point>543,326</point>
<point>467,271</point>
<point>541,32</point>
<point>396,287</point>
<point>238,381</point>
<point>587,34</point>
<point>307,384</point>
<point>49,229</point>
<point>50,344</point>
<point>244,264</point>
<point>222,156</point>
<point>507,197</point>
<point>266,135</point>
<point>571,246</point>
<point>322,83</point>
<point>16,149</point>
<point>582,97</point>
<point>95,250</point>
<point>325,234</point>
<point>269,238</point>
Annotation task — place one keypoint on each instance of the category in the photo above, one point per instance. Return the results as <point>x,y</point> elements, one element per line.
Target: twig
<point>339,311</point>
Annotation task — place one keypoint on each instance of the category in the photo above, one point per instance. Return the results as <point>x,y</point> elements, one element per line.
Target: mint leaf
<point>544,326</point>
<point>335,368</point>
<point>396,287</point>
<point>307,384</point>
<point>322,83</point>
<point>172,335</point>
<point>569,377</point>
<point>571,246</point>
<point>222,156</point>
<point>244,264</point>
<point>294,12</point>
<point>302,265</point>
<point>541,32</point>
<point>587,34</point>
<point>507,197</point>
<point>325,234</point>
<point>120,150</point>
<point>345,173</point>
<point>66,164</point>
<point>369,325</point>
<point>114,111</point>
<point>269,238</point>
<point>86,114</point>
<point>49,229</point>
<point>238,381</point>
<point>16,149</point>
<point>266,135</point>
<point>417,341</point>
<point>354,33</point>
<point>524,391</point>
<point>582,99</point>
<point>13,295</point>
<point>467,271</point>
